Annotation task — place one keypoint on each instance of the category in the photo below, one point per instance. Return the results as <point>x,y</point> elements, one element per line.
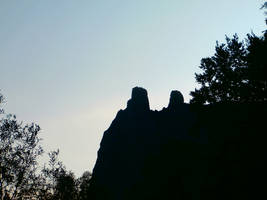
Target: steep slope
<point>182,152</point>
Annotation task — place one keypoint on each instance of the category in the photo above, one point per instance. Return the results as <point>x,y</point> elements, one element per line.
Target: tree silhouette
<point>19,175</point>
<point>19,150</point>
<point>83,185</point>
<point>58,183</point>
<point>222,76</point>
<point>49,176</point>
<point>66,187</point>
<point>236,72</point>
<point>257,68</point>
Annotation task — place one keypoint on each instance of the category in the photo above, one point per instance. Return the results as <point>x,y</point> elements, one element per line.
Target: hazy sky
<point>70,65</point>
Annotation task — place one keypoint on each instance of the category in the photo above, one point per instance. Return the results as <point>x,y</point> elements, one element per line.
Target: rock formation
<point>139,100</point>
<point>182,152</point>
<point>176,99</point>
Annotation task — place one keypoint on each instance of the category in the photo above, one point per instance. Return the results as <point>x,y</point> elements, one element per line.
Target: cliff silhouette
<point>184,151</point>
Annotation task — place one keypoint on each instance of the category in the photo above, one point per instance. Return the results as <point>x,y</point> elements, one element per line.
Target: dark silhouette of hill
<point>182,152</point>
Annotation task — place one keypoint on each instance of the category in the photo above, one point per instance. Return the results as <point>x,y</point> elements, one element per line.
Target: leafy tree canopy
<point>20,177</point>
<point>236,73</point>
<point>19,150</point>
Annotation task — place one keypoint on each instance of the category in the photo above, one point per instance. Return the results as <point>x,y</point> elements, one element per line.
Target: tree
<point>257,68</point>
<point>83,185</point>
<point>19,175</point>
<point>57,182</point>
<point>49,175</point>
<point>66,188</point>
<point>236,72</point>
<point>19,150</point>
<point>221,79</point>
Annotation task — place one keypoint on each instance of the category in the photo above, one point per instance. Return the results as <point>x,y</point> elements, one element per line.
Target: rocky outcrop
<point>182,152</point>
<point>176,100</point>
<point>139,100</point>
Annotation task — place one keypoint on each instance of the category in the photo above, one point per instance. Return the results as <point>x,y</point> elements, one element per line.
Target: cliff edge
<point>182,152</point>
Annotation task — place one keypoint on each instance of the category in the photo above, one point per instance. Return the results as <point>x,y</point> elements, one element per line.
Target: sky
<point>69,66</point>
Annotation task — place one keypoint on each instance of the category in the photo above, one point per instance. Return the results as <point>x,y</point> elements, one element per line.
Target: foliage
<point>83,185</point>
<point>257,67</point>
<point>66,188</point>
<point>236,72</point>
<point>19,150</point>
<point>19,175</point>
<point>58,183</point>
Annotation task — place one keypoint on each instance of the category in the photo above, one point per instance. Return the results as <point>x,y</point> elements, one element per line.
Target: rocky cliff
<point>182,152</point>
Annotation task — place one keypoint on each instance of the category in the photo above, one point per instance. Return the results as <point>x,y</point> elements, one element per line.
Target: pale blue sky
<point>71,65</point>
